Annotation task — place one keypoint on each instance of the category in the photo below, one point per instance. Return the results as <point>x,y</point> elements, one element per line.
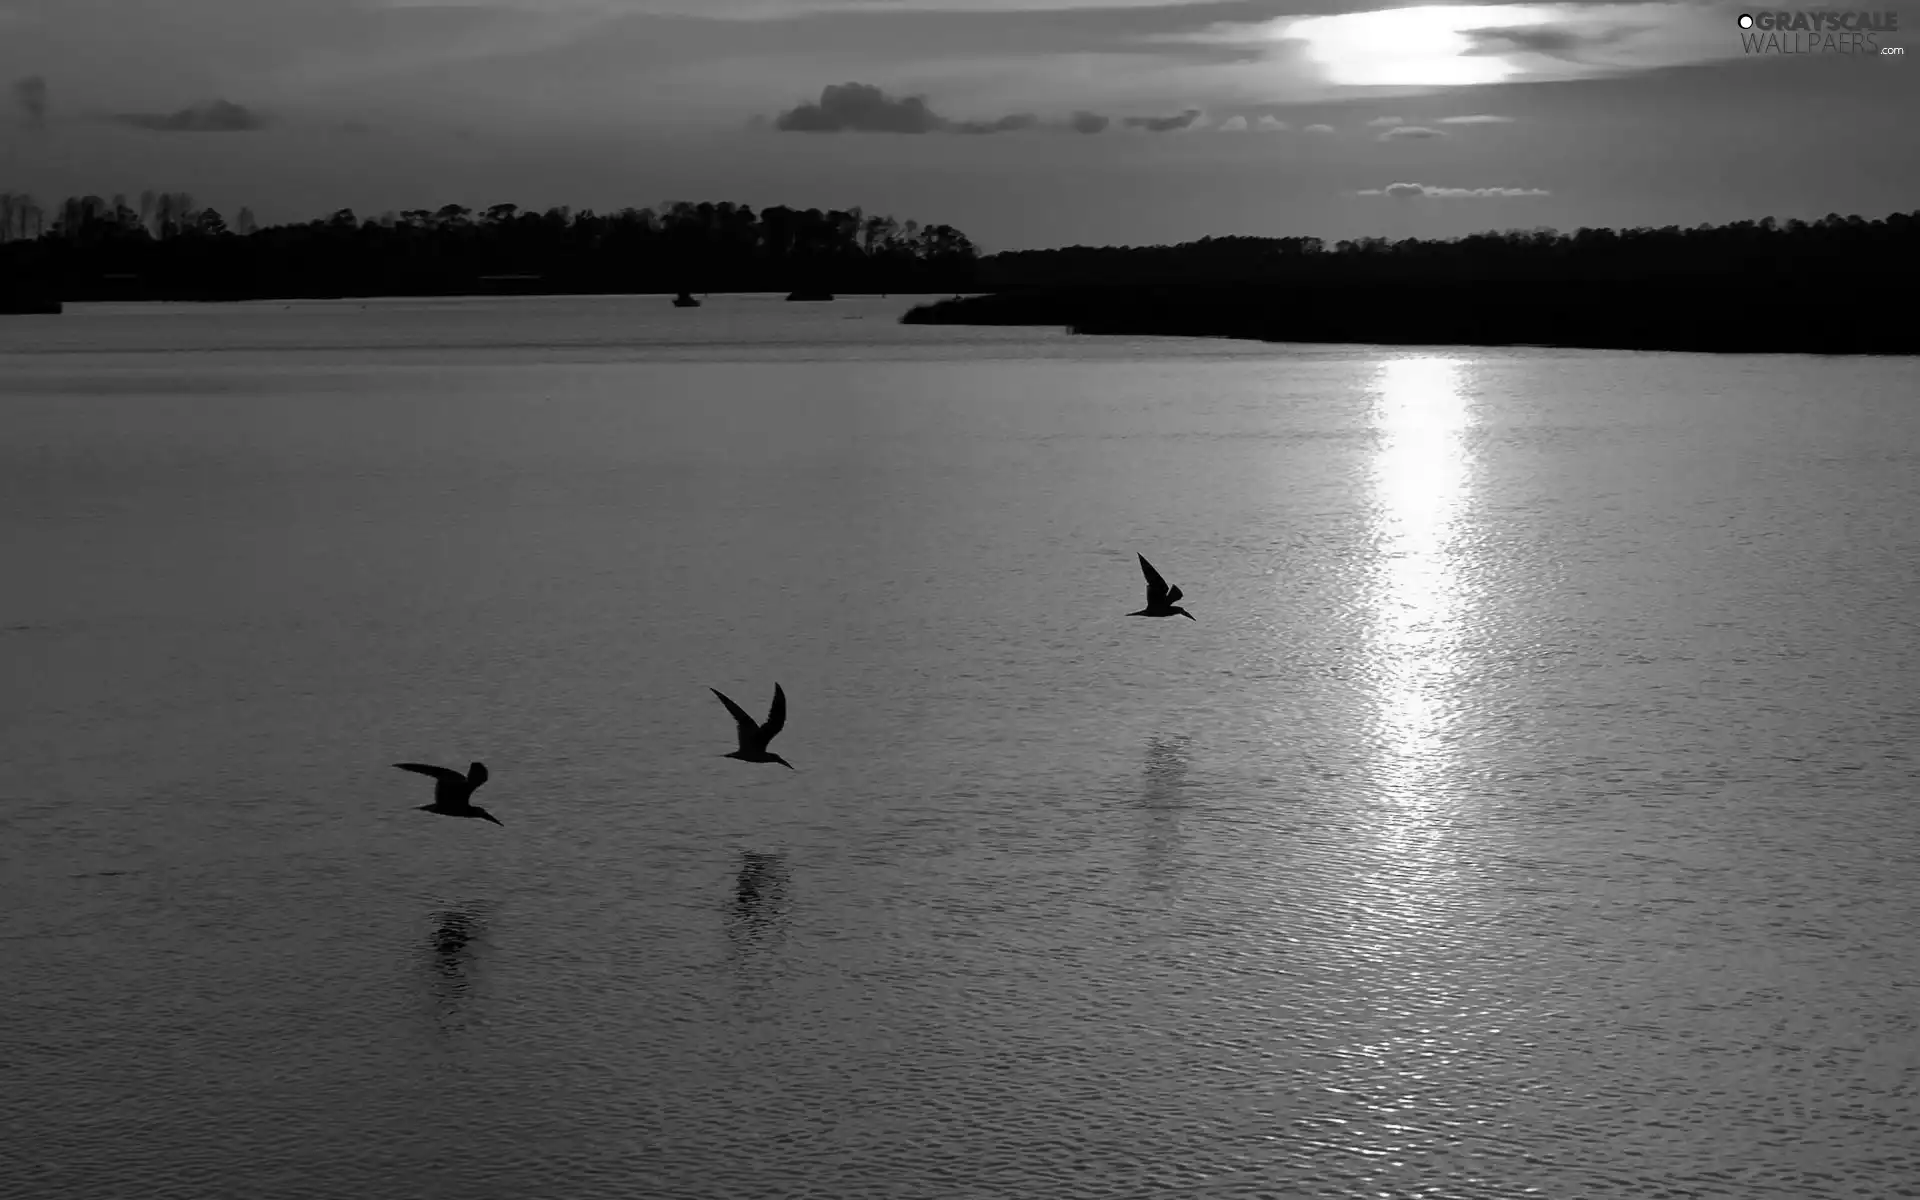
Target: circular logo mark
<point>1746,21</point>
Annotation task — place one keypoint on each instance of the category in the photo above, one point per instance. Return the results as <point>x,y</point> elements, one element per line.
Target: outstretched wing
<point>776,716</point>
<point>449,786</point>
<point>749,732</point>
<point>1173,597</point>
<point>1156,586</point>
<point>441,774</point>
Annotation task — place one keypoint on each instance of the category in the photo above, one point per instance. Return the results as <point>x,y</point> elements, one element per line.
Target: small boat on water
<point>809,294</point>
<point>685,300</point>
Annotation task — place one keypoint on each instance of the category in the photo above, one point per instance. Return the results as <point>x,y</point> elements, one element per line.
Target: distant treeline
<point>1836,285</point>
<point>168,248</point>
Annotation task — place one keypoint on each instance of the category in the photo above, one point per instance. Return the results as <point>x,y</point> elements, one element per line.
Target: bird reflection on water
<point>1166,770</point>
<point>756,929</point>
<point>756,920</point>
<point>450,954</point>
<point>1163,799</point>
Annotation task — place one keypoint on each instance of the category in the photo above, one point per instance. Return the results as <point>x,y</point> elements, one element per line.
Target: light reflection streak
<point>1420,411</point>
<point>1410,946</point>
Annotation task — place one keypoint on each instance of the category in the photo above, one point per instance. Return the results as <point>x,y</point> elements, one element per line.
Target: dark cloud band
<point>215,116</point>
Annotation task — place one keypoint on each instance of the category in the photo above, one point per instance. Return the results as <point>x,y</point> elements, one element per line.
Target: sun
<point>1409,47</point>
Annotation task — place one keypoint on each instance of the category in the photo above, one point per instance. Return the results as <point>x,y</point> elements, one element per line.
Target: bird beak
<point>496,820</point>
<point>1189,616</point>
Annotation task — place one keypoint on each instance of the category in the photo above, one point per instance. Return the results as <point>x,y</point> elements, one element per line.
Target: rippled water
<point>1530,811</point>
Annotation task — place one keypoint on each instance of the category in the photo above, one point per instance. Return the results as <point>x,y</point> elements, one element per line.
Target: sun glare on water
<point>1420,484</point>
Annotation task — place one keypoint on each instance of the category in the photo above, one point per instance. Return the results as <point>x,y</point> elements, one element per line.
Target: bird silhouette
<point>754,738</point>
<point>452,791</point>
<point>1159,597</point>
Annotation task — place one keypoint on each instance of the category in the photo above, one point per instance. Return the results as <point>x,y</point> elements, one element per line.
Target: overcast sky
<point>1022,122</point>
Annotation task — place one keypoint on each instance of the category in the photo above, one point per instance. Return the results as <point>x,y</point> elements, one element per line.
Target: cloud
<point>215,116</point>
<point>31,94</point>
<point>1163,124</point>
<point>1403,133</point>
<point>1549,40</point>
<point>1318,129</point>
<point>1378,121</point>
<point>1087,122</point>
<point>1477,119</point>
<point>1005,124</point>
<point>1427,191</point>
<point>1270,122</point>
<point>1233,124</point>
<point>864,108</point>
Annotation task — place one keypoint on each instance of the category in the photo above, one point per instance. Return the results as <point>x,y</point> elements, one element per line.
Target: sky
<point>1023,123</point>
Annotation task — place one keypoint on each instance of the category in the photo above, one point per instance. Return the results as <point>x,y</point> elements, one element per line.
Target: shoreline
<point>1714,315</point>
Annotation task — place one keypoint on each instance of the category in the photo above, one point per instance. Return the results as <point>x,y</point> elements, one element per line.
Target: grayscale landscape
<point>958,600</point>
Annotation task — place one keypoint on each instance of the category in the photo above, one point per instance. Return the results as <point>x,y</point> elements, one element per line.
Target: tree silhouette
<point>1708,287</point>
<point>1712,287</point>
<point>20,216</point>
<point>172,249</point>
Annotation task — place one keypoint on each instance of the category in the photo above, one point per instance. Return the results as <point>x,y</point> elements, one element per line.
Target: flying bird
<point>754,738</point>
<point>452,791</point>
<point>1159,598</point>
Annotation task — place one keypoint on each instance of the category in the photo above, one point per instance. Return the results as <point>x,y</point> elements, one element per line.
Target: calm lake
<point>1531,810</point>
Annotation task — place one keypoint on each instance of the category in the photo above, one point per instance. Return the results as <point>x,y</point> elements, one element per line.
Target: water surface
<point>1528,812</point>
